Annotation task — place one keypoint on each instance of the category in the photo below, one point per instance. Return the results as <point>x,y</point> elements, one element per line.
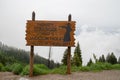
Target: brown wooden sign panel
<point>50,33</point>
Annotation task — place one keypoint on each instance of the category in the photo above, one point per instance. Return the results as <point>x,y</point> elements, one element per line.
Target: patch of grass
<point>17,68</point>
<point>8,68</point>
<point>25,70</point>
<point>75,68</point>
<point>100,66</point>
<point>39,69</point>
<point>96,67</point>
<point>106,66</point>
<point>116,66</point>
<point>11,67</point>
<point>61,70</point>
<point>1,66</point>
<point>3,69</point>
<point>42,66</point>
<point>84,68</point>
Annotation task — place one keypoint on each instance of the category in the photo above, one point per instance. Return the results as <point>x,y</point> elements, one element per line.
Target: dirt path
<point>8,76</point>
<point>103,75</point>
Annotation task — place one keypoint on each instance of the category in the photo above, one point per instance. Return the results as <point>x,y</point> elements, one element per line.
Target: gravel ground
<point>103,75</point>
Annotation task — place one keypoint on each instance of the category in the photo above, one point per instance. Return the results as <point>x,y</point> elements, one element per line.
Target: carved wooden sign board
<point>50,33</point>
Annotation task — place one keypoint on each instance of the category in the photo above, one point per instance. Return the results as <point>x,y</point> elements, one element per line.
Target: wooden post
<point>69,54</point>
<point>32,52</point>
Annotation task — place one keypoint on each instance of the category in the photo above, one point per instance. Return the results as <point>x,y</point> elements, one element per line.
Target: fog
<point>97,24</point>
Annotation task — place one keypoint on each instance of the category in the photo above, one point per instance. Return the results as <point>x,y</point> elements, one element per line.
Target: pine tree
<point>119,60</point>
<point>64,60</point>
<point>111,58</point>
<point>95,58</point>
<point>102,58</point>
<point>90,62</point>
<point>108,58</point>
<point>77,58</point>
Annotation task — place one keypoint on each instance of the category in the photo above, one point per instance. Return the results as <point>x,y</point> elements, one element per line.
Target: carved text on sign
<point>50,33</point>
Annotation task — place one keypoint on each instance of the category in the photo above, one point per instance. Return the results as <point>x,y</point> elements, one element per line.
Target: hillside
<point>10,55</point>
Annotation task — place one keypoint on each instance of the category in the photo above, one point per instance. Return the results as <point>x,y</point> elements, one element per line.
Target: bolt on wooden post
<point>32,52</point>
<point>69,53</point>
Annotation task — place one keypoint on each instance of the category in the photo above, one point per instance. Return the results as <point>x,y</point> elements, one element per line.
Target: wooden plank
<point>49,31</point>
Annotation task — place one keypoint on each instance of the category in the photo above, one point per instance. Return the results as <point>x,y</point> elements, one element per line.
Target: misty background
<point>97,24</point>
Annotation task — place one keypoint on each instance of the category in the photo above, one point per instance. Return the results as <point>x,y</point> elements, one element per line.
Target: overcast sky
<point>97,24</point>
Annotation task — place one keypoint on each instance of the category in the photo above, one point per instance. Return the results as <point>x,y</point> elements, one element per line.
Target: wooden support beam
<point>31,61</point>
<point>69,54</point>
<point>69,61</point>
<point>32,52</point>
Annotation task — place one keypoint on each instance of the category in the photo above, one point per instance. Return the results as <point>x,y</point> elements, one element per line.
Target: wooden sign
<point>50,33</point>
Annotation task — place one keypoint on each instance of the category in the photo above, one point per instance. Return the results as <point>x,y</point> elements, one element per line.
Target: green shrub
<point>96,67</point>
<point>39,69</point>
<point>84,68</point>
<point>8,68</point>
<point>61,70</point>
<point>74,68</point>
<point>1,66</point>
<point>17,68</point>
<point>3,69</point>
<point>107,66</point>
<point>42,66</point>
<point>25,70</point>
<point>100,66</point>
<point>116,66</point>
<point>11,67</point>
<point>36,70</point>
